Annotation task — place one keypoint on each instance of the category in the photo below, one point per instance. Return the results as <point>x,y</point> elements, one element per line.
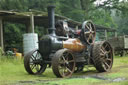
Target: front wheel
<point>63,63</point>
<point>33,62</point>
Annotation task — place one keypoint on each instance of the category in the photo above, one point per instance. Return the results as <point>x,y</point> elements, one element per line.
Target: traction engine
<point>67,51</point>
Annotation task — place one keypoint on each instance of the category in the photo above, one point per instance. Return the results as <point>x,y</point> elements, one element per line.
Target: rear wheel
<point>33,62</point>
<point>102,56</point>
<point>63,63</point>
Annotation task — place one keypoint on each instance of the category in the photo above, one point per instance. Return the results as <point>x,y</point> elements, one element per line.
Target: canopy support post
<point>1,34</point>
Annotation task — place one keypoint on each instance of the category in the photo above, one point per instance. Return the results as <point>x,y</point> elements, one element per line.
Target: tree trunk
<point>85,4</point>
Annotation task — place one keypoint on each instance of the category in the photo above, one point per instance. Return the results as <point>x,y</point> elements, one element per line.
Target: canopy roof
<point>41,19</point>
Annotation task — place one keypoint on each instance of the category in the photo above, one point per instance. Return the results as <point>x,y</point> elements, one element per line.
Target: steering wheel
<point>89,32</point>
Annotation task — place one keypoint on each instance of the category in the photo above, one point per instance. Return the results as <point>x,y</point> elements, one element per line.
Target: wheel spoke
<point>105,46</point>
<point>63,58</point>
<point>87,27</point>
<point>87,32</point>
<point>32,66</point>
<point>68,69</point>
<point>92,37</point>
<point>102,50</point>
<point>89,38</point>
<point>101,54</point>
<point>67,56</point>
<point>33,57</point>
<point>108,59</point>
<point>92,32</point>
<point>108,51</point>
<point>64,71</point>
<point>90,27</point>
<point>71,61</point>
<point>106,65</point>
<point>103,58</point>
<point>36,55</point>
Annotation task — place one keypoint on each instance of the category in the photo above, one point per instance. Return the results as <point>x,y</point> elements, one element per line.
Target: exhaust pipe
<point>51,19</point>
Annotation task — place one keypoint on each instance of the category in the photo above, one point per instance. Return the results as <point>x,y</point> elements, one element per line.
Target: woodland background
<point>108,13</point>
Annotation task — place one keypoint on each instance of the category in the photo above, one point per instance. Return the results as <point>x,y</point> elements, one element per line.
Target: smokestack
<point>51,19</point>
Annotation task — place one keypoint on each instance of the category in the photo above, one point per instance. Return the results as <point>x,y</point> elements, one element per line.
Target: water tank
<point>30,42</point>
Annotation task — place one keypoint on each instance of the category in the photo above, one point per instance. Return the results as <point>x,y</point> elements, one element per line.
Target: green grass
<point>117,83</point>
<point>119,61</point>
<point>12,72</point>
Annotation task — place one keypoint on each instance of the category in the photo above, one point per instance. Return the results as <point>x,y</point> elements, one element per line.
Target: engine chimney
<point>51,19</point>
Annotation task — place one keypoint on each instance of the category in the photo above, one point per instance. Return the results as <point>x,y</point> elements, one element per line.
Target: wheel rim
<point>106,56</point>
<point>66,65</point>
<point>89,32</point>
<point>35,63</point>
<point>63,63</point>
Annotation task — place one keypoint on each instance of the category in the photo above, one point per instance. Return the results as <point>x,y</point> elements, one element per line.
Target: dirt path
<point>101,76</point>
<point>95,73</point>
<point>88,74</point>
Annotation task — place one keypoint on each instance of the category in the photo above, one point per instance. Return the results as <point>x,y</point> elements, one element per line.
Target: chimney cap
<point>51,6</point>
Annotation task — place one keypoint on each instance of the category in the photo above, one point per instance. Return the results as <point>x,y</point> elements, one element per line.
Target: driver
<point>60,31</point>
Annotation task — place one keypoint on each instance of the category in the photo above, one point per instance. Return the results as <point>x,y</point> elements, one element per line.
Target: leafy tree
<point>111,13</point>
<point>13,35</point>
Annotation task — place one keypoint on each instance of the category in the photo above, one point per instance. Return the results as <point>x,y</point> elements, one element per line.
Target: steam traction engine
<point>68,51</point>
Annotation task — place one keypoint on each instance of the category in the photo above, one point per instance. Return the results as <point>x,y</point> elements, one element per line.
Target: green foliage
<point>72,9</point>
<point>15,5</point>
<point>79,10</point>
<point>102,17</point>
<point>41,31</point>
<point>13,36</point>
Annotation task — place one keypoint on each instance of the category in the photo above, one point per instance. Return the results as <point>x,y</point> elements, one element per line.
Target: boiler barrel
<point>74,45</point>
<point>30,42</point>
